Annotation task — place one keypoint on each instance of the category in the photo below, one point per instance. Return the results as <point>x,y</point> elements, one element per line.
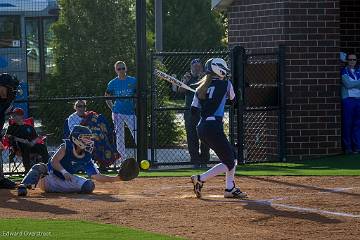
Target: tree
<point>89,37</point>
<point>190,25</point>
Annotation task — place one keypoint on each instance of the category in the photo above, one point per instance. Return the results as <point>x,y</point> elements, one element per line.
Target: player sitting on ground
<point>209,99</point>
<point>73,155</point>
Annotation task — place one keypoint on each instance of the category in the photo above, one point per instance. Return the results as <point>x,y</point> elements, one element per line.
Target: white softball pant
<point>119,122</point>
<point>52,183</point>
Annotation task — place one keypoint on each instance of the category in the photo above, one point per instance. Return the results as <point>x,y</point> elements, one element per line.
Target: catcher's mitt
<point>129,169</point>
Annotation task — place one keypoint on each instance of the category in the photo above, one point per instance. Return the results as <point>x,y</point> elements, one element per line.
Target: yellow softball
<point>144,164</point>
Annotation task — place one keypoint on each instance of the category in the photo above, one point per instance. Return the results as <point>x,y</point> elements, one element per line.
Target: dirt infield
<point>278,207</point>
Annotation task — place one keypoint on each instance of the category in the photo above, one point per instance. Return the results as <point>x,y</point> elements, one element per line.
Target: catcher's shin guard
<point>88,187</point>
<point>34,175</point>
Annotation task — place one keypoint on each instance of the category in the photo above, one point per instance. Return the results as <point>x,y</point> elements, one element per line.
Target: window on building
<point>48,49</point>
<point>10,32</point>
<point>33,54</point>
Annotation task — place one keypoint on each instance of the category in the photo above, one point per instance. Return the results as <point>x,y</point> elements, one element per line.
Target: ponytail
<point>205,82</point>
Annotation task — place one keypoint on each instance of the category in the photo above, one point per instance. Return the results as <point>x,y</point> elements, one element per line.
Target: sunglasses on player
<point>121,68</point>
<point>352,59</point>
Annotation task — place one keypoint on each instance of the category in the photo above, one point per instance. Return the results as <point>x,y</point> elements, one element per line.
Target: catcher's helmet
<point>82,137</point>
<point>11,83</point>
<point>217,66</point>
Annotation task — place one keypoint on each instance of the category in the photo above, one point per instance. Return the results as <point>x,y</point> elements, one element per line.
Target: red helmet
<point>18,111</point>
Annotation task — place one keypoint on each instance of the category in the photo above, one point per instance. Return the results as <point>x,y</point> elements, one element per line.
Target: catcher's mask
<point>82,137</point>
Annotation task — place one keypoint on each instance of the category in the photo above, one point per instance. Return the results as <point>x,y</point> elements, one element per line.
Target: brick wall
<point>311,32</point>
<point>256,24</point>
<point>350,26</point>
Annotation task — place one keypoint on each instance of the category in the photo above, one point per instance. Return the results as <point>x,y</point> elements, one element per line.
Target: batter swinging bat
<point>172,80</point>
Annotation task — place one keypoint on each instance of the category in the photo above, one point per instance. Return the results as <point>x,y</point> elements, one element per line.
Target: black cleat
<point>235,193</point>
<point>195,179</point>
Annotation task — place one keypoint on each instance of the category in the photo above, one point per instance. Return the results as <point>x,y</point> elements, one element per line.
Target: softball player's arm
<point>93,172</point>
<point>109,102</point>
<point>55,162</point>
<point>109,93</point>
<point>348,82</point>
<point>185,79</point>
<point>230,94</point>
<point>104,178</point>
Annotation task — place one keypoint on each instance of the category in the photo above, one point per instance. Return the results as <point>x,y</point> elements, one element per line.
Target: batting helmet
<point>82,137</point>
<point>217,66</point>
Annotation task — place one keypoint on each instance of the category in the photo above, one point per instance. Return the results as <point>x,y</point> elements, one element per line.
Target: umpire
<point>8,89</point>
<point>192,78</point>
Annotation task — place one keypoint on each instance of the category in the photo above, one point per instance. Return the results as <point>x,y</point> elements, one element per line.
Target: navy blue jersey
<point>73,164</point>
<point>214,104</point>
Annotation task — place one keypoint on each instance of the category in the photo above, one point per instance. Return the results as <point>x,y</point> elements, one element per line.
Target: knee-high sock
<point>214,171</point>
<point>230,177</point>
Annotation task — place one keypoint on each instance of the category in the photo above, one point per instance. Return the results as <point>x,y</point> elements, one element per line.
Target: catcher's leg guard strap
<point>35,173</point>
<point>87,187</point>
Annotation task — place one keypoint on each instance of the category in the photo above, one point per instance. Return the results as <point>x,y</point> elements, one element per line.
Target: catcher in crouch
<point>74,155</point>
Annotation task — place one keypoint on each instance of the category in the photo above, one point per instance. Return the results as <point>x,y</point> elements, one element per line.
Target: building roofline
<point>220,4</point>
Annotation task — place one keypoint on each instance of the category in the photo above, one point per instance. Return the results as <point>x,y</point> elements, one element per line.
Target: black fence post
<point>153,113</point>
<point>282,103</point>
<point>142,149</point>
<point>238,72</point>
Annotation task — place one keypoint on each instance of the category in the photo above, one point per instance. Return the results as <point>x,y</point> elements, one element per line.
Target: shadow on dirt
<point>320,189</point>
<point>271,212</point>
<point>9,200</point>
<point>87,197</point>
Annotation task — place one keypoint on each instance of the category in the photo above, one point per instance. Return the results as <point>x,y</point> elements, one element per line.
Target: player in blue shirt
<point>210,99</point>
<point>58,175</point>
<point>350,94</point>
<point>123,110</point>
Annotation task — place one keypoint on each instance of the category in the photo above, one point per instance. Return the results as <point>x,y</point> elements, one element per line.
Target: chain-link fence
<point>256,125</point>
<point>261,112</point>
<point>174,139</point>
<point>51,120</point>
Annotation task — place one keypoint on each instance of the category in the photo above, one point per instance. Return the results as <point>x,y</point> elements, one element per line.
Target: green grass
<point>55,229</point>
<point>329,166</point>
